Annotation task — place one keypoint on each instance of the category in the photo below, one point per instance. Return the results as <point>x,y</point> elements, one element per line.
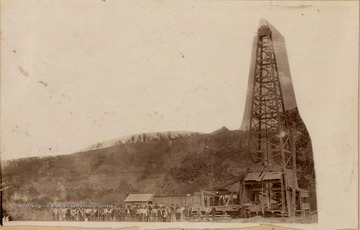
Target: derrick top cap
<point>263,31</point>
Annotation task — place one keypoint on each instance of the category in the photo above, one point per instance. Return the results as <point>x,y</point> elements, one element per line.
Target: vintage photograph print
<point>146,112</point>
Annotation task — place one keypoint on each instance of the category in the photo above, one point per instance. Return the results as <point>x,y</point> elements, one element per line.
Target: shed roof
<point>261,176</point>
<point>139,197</point>
<point>255,176</point>
<point>272,176</point>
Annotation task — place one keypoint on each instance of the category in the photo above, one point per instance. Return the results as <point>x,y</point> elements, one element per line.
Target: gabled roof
<point>139,197</point>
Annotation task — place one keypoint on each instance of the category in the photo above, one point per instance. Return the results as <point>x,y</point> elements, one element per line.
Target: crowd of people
<point>156,213</point>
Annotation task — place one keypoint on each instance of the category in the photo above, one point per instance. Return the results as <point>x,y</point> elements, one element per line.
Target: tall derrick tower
<point>270,143</point>
<point>268,124</point>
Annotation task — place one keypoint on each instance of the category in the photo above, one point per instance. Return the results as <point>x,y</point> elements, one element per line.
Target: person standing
<point>173,216</point>
<point>207,213</point>
<point>190,212</point>
<point>213,213</point>
<point>262,200</point>
<point>177,213</point>
<point>164,214</point>
<point>168,214</point>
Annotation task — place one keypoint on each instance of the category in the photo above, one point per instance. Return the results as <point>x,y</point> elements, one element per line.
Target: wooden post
<point>282,194</point>
<point>293,150</point>
<point>185,200</point>
<point>202,198</point>
<point>287,193</point>
<point>240,193</point>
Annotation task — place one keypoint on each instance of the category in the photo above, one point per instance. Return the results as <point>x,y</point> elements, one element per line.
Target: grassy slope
<point>100,176</point>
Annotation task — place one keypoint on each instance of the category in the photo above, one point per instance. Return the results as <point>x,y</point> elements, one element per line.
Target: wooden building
<point>193,200</point>
<point>140,200</point>
<point>263,192</point>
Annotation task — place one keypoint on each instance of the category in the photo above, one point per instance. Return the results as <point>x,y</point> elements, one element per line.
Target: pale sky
<point>78,72</point>
<point>74,73</point>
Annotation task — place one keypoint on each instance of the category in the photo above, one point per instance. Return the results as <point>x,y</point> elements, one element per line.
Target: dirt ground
<point>310,219</point>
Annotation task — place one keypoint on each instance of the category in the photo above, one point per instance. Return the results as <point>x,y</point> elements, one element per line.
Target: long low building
<point>163,200</point>
<point>180,200</point>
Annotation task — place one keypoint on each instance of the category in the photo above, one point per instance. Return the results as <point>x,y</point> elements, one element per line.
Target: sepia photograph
<point>179,114</point>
